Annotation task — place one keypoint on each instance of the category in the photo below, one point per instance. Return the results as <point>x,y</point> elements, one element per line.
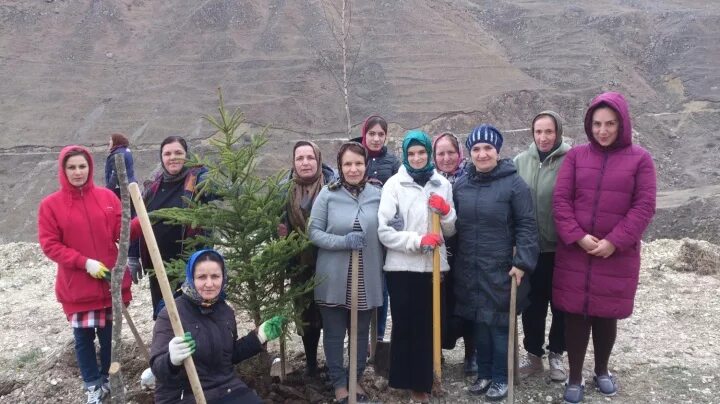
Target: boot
<point>531,365</point>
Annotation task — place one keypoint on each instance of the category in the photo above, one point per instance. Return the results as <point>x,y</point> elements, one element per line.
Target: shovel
<point>512,340</point>
<point>167,292</point>
<point>352,383</point>
<point>437,353</point>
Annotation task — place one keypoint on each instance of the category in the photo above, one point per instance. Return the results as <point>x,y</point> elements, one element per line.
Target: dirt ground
<point>667,352</point>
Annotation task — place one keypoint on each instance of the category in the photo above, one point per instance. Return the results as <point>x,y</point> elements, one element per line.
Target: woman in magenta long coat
<point>604,199</point>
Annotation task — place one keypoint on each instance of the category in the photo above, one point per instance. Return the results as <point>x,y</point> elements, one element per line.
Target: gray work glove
<point>136,269</point>
<point>396,222</point>
<point>355,240</point>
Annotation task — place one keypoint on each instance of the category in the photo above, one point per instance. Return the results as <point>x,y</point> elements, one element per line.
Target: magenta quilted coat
<point>608,192</point>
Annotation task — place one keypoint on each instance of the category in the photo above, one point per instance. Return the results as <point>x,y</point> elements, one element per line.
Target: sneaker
<point>574,393</point>
<point>607,384</point>
<point>105,388</point>
<point>531,364</point>
<point>557,367</point>
<point>497,391</point>
<point>480,386</point>
<point>94,394</point>
<point>470,365</point>
<point>147,379</point>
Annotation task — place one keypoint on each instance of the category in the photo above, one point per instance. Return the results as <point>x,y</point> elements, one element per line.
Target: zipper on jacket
<point>592,230</point>
<point>537,203</point>
<point>106,292</point>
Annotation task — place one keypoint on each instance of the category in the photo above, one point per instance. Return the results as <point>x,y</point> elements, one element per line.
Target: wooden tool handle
<point>167,293</point>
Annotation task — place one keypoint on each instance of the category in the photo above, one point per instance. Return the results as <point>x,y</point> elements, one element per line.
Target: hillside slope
<point>76,71</point>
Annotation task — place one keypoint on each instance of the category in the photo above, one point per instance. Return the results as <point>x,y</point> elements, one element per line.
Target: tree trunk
<point>117,385</point>
<point>345,33</point>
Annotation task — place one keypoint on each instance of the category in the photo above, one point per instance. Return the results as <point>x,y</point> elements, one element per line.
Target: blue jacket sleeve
<point>130,166</point>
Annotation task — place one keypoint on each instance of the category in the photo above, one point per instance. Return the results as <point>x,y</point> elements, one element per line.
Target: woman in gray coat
<point>344,217</point>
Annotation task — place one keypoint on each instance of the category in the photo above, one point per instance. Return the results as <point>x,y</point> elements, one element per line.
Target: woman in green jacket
<point>539,166</point>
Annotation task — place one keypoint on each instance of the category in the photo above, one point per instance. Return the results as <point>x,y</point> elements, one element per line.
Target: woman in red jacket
<point>604,199</point>
<point>77,228</point>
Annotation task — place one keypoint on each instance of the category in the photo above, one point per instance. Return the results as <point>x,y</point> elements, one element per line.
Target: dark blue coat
<point>494,214</point>
<point>111,179</point>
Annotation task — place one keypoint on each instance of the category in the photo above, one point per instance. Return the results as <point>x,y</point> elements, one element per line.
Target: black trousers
<point>533,317</point>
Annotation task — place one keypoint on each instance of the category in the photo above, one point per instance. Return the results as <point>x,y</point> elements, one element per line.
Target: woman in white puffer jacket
<point>404,228</point>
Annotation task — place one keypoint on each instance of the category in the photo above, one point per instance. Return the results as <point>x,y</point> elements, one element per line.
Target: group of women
<point>564,223</point>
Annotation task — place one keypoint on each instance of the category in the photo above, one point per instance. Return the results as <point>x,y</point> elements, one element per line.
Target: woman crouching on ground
<point>211,338</point>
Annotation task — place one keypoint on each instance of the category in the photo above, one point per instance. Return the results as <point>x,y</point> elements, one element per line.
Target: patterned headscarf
<point>188,287</point>
<point>358,148</point>
<point>302,192</point>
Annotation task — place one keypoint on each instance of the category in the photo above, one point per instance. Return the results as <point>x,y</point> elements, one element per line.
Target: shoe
<point>106,388</point>
<point>470,366</point>
<point>421,398</point>
<point>531,364</point>
<point>497,391</point>
<point>557,367</point>
<point>574,393</point>
<point>147,380</point>
<point>480,386</point>
<point>607,384</point>
<point>94,394</point>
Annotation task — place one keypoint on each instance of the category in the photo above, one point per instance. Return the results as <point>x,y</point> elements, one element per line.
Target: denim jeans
<point>93,375</point>
<point>336,321</point>
<point>492,350</point>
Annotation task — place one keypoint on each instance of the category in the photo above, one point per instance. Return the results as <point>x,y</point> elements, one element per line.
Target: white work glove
<point>96,269</point>
<point>181,348</point>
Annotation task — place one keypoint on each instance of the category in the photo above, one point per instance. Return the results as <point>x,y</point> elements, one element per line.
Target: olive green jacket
<point>541,177</point>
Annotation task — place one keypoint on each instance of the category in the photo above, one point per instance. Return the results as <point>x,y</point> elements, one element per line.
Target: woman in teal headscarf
<point>408,264</point>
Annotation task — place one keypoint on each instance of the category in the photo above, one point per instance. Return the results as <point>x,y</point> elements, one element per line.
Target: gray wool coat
<point>332,217</point>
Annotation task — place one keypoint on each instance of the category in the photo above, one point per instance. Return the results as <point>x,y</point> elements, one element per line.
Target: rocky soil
<point>667,352</point>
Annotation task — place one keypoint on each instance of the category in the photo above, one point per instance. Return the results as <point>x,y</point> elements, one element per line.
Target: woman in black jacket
<point>382,164</point>
<point>210,337</point>
<point>494,215</point>
<point>307,177</point>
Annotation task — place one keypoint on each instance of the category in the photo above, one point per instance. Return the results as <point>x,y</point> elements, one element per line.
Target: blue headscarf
<point>417,137</point>
<point>188,287</point>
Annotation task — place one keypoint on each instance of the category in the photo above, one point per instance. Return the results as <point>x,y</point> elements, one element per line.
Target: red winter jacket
<point>608,192</point>
<point>75,224</point>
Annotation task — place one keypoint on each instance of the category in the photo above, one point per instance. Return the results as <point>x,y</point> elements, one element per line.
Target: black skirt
<point>411,365</point>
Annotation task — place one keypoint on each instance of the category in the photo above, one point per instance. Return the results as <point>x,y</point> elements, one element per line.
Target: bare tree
<point>338,17</point>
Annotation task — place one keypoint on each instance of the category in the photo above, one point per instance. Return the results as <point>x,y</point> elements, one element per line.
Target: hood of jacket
<point>504,168</point>
<point>558,126</point>
<point>617,103</point>
<point>62,177</point>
